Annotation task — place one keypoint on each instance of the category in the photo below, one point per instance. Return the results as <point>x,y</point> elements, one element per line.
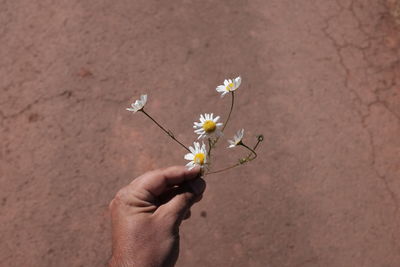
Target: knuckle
<point>121,196</point>
<point>111,205</point>
<point>187,197</point>
<point>155,172</point>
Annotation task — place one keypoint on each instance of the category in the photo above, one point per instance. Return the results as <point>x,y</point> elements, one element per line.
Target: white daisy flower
<point>208,126</point>
<point>229,86</point>
<point>237,139</point>
<point>139,104</point>
<point>197,155</point>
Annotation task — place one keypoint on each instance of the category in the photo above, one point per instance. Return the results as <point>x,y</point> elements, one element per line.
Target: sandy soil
<point>321,81</point>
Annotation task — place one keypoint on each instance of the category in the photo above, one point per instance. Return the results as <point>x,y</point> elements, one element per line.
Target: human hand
<point>147,213</point>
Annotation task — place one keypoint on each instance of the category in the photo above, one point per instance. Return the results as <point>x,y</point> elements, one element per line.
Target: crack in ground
<point>373,158</point>
<point>65,93</point>
<point>30,105</point>
<point>378,101</point>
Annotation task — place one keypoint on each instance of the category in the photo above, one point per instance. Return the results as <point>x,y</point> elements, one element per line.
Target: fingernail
<point>197,186</point>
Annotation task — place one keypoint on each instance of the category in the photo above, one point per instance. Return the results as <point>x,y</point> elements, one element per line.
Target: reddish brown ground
<point>321,81</point>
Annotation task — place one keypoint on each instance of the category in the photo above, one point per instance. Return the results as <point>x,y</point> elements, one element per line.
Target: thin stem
<point>230,111</point>
<point>166,131</point>
<point>252,151</point>
<point>225,169</point>
<point>260,138</point>
<point>209,146</point>
<point>227,119</point>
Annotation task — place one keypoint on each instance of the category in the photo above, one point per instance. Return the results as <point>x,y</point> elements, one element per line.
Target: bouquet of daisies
<point>208,128</point>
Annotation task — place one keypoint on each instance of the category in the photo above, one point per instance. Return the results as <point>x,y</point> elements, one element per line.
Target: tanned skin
<point>147,213</point>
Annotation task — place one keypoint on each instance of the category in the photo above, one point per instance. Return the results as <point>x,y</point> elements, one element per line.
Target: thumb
<point>179,205</point>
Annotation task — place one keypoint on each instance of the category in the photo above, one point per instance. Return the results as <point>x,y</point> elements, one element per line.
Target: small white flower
<point>229,86</point>
<point>237,139</point>
<point>197,155</point>
<point>139,104</point>
<point>208,126</point>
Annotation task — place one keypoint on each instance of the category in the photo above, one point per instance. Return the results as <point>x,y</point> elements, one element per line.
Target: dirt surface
<point>321,81</point>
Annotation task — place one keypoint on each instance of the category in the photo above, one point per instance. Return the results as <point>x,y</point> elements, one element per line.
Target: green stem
<point>225,169</point>
<point>209,146</point>
<point>252,151</point>
<point>227,119</point>
<point>166,131</point>
<point>230,111</point>
<point>260,138</point>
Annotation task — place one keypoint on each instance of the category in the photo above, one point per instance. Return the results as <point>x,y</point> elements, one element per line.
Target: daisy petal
<point>189,156</point>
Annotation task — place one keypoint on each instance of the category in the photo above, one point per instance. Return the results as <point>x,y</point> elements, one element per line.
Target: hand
<point>147,213</point>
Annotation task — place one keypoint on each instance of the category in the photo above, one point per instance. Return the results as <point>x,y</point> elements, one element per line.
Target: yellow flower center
<point>209,126</point>
<point>199,158</point>
<point>230,86</point>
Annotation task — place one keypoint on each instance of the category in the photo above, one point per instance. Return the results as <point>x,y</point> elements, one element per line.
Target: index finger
<point>156,182</point>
